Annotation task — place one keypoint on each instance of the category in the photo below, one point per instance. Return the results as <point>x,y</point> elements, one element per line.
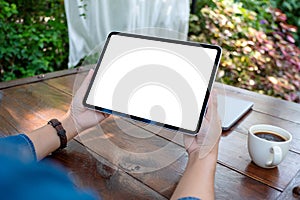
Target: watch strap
<point>61,132</point>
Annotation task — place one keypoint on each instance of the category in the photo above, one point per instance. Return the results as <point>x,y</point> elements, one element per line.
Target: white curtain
<point>150,17</point>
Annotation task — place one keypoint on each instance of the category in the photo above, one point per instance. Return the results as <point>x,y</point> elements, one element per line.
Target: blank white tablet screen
<point>160,81</point>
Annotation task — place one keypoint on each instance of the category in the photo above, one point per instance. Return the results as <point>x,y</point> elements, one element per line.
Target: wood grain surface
<point>89,170</point>
<point>122,159</point>
<point>292,191</point>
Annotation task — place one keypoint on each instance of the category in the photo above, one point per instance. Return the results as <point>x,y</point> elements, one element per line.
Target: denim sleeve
<point>189,198</point>
<point>18,146</point>
<point>21,177</point>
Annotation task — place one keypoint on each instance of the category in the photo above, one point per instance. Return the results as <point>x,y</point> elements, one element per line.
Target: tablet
<point>231,110</point>
<point>154,80</point>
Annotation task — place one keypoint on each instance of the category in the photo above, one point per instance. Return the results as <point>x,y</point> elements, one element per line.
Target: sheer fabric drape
<point>150,17</point>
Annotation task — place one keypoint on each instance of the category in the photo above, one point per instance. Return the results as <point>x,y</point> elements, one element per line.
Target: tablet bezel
<point>174,128</point>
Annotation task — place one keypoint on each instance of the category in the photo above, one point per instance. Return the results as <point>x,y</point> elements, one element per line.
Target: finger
<point>84,85</point>
<point>106,115</point>
<point>214,103</point>
<point>214,96</point>
<point>88,78</point>
<point>188,141</point>
<point>209,108</point>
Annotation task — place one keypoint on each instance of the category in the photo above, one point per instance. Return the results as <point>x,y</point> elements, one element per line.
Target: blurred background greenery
<point>34,38</point>
<point>260,41</point>
<point>260,51</point>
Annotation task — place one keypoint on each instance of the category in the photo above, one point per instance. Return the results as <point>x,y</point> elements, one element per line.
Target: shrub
<point>33,37</point>
<point>292,10</point>
<point>259,53</point>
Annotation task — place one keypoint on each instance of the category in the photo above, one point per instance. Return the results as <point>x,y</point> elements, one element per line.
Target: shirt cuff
<point>30,146</point>
<point>19,146</point>
<point>189,198</point>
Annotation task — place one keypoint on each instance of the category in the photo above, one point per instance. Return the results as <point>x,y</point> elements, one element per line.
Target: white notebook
<point>231,110</point>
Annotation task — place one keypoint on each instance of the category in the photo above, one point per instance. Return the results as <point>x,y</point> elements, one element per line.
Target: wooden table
<point>93,161</point>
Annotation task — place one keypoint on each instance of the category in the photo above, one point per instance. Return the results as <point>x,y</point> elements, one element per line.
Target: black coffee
<point>270,136</point>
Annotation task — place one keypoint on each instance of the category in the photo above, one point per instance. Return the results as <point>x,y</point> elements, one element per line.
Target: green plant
<point>292,10</point>
<point>258,54</point>
<point>33,38</point>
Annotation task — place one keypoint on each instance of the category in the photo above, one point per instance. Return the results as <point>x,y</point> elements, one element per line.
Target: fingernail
<point>91,71</point>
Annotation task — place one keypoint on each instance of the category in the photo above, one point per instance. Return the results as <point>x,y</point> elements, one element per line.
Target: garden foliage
<point>259,51</point>
<point>292,10</point>
<point>259,44</point>
<point>34,38</point>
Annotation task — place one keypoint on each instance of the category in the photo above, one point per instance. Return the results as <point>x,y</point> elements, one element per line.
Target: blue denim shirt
<point>21,177</point>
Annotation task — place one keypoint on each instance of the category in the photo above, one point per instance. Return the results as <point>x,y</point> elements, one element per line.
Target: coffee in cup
<point>270,136</point>
<point>268,145</point>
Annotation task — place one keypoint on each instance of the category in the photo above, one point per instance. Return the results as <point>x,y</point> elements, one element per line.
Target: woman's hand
<point>82,117</point>
<point>77,119</point>
<point>209,133</point>
<point>198,178</point>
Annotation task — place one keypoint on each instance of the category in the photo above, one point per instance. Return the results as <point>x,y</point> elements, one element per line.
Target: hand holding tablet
<point>154,80</point>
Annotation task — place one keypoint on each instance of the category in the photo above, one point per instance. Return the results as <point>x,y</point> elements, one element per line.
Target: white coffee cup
<point>266,153</point>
